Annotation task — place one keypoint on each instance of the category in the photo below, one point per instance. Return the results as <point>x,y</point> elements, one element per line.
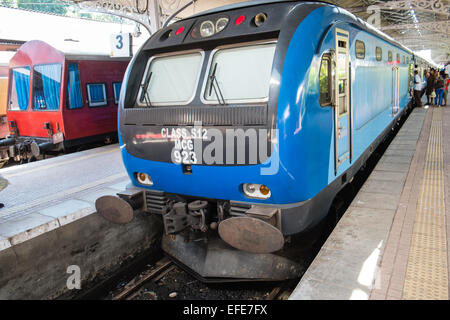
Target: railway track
<point>131,289</point>
<point>135,288</point>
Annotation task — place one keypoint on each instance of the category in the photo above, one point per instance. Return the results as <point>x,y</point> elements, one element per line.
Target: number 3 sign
<point>121,45</point>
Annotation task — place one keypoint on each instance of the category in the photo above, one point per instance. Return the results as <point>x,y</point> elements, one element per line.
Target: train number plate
<point>184,140</point>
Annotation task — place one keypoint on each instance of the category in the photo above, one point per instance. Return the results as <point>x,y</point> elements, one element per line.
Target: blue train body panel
<point>321,132</point>
<point>305,129</point>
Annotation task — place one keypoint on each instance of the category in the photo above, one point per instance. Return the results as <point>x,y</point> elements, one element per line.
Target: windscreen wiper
<point>144,94</point>
<point>216,87</point>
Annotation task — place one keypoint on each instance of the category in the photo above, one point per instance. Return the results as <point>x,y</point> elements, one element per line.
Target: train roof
<point>359,21</point>
<point>39,52</point>
<point>239,5</point>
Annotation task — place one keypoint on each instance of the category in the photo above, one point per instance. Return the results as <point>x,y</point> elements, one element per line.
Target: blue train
<point>242,123</point>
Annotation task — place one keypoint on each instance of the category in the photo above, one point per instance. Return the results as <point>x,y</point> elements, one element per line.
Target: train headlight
<point>256,191</point>
<point>207,29</point>
<point>144,179</point>
<point>221,24</point>
<point>260,19</point>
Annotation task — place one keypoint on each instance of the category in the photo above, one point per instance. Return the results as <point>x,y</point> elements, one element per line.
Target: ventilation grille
<point>218,116</point>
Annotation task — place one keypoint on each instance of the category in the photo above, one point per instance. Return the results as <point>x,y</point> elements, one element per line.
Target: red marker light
<point>179,31</point>
<point>239,20</point>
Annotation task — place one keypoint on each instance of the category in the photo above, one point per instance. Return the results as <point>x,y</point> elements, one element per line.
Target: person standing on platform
<point>417,89</point>
<point>439,89</point>
<point>426,75</point>
<point>430,87</point>
<point>446,83</point>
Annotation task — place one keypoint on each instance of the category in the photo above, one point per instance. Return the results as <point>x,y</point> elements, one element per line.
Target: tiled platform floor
<point>48,194</point>
<point>414,264</point>
<point>392,241</point>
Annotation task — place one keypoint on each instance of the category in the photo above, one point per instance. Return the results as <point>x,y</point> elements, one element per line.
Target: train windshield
<point>240,74</point>
<point>20,88</point>
<point>171,79</point>
<point>46,86</point>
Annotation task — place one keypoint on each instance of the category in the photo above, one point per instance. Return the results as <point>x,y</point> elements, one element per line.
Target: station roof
<point>70,35</point>
<point>417,24</point>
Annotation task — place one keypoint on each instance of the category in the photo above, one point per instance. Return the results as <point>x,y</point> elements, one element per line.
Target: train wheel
<point>32,159</point>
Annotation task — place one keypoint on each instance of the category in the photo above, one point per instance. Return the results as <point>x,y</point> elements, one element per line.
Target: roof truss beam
<point>440,7</point>
<point>438,26</point>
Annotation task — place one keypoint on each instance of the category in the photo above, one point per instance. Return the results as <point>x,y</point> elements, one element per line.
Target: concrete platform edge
<point>348,263</point>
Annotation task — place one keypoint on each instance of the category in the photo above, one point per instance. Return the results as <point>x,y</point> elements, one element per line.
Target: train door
<point>395,90</point>
<point>342,110</point>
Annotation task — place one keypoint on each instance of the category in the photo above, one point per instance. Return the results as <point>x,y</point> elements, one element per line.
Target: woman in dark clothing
<point>439,89</point>
<point>430,87</point>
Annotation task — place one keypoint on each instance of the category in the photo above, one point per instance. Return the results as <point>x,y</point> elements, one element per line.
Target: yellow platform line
<point>426,273</point>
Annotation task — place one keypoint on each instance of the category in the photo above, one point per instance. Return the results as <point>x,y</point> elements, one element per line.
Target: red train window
<point>97,94</point>
<point>46,86</point>
<point>74,98</point>
<point>116,88</point>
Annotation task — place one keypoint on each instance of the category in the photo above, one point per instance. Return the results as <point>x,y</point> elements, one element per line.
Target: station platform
<point>49,224</point>
<point>48,194</point>
<point>392,241</point>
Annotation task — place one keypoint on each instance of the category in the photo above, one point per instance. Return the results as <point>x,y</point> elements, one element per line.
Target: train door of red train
<point>342,110</point>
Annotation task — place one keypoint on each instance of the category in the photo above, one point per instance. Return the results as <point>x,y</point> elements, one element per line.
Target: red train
<point>57,100</point>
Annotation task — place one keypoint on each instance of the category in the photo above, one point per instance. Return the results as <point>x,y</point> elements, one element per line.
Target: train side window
<point>116,88</point>
<point>404,61</point>
<point>360,49</point>
<point>20,89</point>
<point>390,56</point>
<point>97,94</point>
<point>74,98</point>
<point>46,86</point>
<point>325,81</point>
<point>398,58</point>
<point>379,53</point>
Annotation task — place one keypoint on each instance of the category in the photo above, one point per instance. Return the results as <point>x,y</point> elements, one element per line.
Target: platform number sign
<point>121,45</point>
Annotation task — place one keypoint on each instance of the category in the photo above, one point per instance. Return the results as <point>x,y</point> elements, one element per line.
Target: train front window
<point>240,74</point>
<point>46,86</point>
<point>170,80</point>
<point>20,89</point>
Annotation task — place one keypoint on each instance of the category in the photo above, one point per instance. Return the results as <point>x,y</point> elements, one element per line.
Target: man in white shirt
<point>417,89</point>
